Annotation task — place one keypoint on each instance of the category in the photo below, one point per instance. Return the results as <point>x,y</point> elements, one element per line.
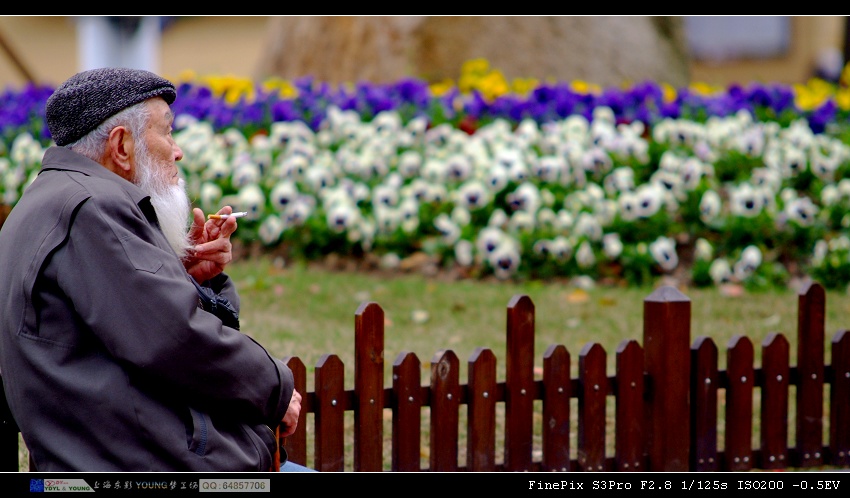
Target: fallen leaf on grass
<point>578,296</point>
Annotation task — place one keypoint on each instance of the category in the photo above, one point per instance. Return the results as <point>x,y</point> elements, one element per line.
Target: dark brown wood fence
<point>666,395</point>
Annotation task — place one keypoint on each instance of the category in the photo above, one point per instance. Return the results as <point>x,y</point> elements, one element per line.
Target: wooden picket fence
<point>666,395</point>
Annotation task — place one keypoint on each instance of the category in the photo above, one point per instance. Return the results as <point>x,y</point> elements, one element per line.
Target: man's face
<point>156,173</point>
<point>159,142</point>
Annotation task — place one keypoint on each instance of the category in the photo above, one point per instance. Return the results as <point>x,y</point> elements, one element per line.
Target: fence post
<point>369,388</point>
<point>666,340</point>
<point>519,384</point>
<point>810,372</point>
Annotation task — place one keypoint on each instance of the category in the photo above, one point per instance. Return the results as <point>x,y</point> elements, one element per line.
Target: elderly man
<point>108,362</point>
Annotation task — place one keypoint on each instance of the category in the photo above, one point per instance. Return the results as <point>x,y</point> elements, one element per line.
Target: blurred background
<point>605,50</point>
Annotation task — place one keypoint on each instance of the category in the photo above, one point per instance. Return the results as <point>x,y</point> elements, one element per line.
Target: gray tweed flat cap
<point>88,98</point>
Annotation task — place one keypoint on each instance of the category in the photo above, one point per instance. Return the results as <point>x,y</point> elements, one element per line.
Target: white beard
<point>170,202</point>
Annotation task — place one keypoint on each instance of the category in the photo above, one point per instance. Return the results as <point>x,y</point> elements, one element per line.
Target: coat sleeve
<point>135,298</point>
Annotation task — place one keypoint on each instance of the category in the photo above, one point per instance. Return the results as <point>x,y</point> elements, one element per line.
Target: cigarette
<point>225,216</point>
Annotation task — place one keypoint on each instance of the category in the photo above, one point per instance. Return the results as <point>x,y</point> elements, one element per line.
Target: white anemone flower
<point>561,248</point>
<point>410,163</point>
<point>650,198</point>
<point>458,168</point>
<point>627,204</point>
<point>342,216</point>
<point>387,123</point>
<point>218,168</point>
<point>299,211</point>
<point>473,195</point>
<point>488,239</point>
<point>564,220</point>
<point>245,173</point>
<point>748,263</point>
<point>461,216</point>
<point>387,219</point>
<point>720,271</point>
<point>766,177</point>
<point>709,206</point>
<point>584,255</point>
<point>703,251</point>
<point>448,229</point>
<point>802,211</point>
<point>384,196</point>
<point>409,208</point>
<point>588,225</point>
<point>496,178</point>
<point>252,200</point>
<point>319,176</point>
<point>283,194</point>
<point>612,246</point>
<point>548,168</point>
<point>498,218</point>
<point>829,195</point>
<point>464,252</point>
<point>513,163</point>
<point>526,198</point>
<point>663,251</point>
<point>434,170</point>
<point>210,195</point>
<point>294,167</point>
<point>596,160</point>
<point>521,221</point>
<point>621,179</point>
<point>505,258</point>
<point>820,252</point>
<point>744,200</point>
<point>824,166</point>
<point>271,228</point>
<point>691,172</point>
<point>794,160</point>
<point>437,193</point>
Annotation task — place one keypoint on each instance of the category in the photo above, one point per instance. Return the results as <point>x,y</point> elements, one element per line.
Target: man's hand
<point>290,418</point>
<point>212,249</point>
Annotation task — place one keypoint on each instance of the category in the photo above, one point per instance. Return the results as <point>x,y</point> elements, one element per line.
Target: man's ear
<point>120,148</point>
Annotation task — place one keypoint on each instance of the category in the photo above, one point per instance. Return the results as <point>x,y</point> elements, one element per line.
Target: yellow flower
<point>524,86</point>
<point>669,93</point>
<point>284,88</point>
<point>842,99</point>
<point>474,67</point>
<point>703,89</point>
<point>581,86</point>
<point>811,96</point>
<point>442,87</point>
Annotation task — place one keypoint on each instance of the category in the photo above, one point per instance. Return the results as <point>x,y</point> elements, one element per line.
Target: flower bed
<point>747,184</point>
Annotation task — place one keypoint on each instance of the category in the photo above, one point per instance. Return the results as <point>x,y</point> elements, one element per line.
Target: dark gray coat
<point>107,361</point>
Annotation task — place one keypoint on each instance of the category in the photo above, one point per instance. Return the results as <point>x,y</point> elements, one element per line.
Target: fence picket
<point>407,413</point>
<point>481,403</point>
<point>556,409</point>
<point>839,399</point>
<point>739,405</point>
<point>519,384</point>
<point>810,372</point>
<point>705,382</point>
<point>774,402</point>
<point>591,408</point>
<point>445,405</point>
<point>296,444</point>
<point>629,431</point>
<point>330,414</point>
<point>369,388</point>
